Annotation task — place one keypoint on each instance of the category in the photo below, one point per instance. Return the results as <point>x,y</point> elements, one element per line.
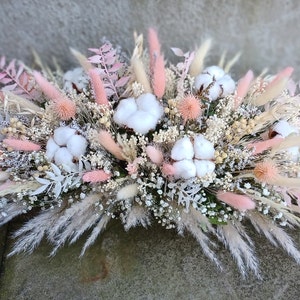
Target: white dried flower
<point>203,148</point>
<point>185,169</point>
<point>183,149</point>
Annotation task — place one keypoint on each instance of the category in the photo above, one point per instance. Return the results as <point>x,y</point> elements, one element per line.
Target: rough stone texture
<point>152,264</point>
<point>145,264</point>
<point>265,31</point>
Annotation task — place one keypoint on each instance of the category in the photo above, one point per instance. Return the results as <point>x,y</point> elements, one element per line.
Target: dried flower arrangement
<point>183,145</point>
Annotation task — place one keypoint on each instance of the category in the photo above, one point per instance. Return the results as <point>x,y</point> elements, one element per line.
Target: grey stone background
<point>153,263</point>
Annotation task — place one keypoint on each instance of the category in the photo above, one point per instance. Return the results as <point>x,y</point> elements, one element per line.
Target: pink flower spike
<point>95,176</point>
<point>260,147</point>
<point>154,46</point>
<point>21,145</point>
<point>155,155</point>
<point>243,87</point>
<point>284,74</point>
<point>159,77</point>
<point>240,202</point>
<point>47,88</point>
<point>98,87</point>
<point>168,169</point>
<point>108,143</point>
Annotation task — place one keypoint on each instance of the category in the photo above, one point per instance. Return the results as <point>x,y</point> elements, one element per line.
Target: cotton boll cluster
<point>216,82</point>
<point>193,159</point>
<point>284,129</point>
<point>65,147</point>
<point>75,79</point>
<point>141,114</point>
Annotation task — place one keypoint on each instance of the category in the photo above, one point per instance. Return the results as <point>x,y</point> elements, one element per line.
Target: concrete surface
<point>152,264</point>
<point>144,264</point>
<point>265,31</point>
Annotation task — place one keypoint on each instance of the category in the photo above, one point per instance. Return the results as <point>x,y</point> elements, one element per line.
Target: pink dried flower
<point>154,154</point>
<point>240,202</point>
<point>108,143</point>
<point>168,169</point>
<point>259,147</point>
<point>266,171</point>
<point>132,168</point>
<point>283,74</point>
<point>154,46</point>
<point>95,176</point>
<point>189,108</point>
<point>159,77</point>
<point>21,145</point>
<point>64,108</point>
<point>98,87</point>
<point>243,87</point>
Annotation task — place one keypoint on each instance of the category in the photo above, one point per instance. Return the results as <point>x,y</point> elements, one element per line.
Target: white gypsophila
<point>193,160</point>
<point>141,114</point>
<point>77,79</point>
<point>216,81</point>
<point>65,147</point>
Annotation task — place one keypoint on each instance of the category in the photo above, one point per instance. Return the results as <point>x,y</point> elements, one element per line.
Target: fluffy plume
<point>197,64</point>
<point>168,169</point>
<point>243,87</point>
<point>154,46</point>
<point>63,107</point>
<point>154,154</point>
<point>137,216</point>
<point>260,147</point>
<point>159,77</point>
<point>127,191</point>
<point>98,87</point>
<point>21,145</point>
<point>266,171</point>
<point>189,108</point>
<point>95,176</point>
<point>240,202</point>
<point>86,65</point>
<point>140,74</point>
<point>274,88</point>
<point>108,143</point>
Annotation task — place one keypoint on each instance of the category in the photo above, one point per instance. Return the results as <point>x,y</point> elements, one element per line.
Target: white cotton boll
<point>204,167</point>
<point>127,192</point>
<point>149,103</point>
<point>294,153</point>
<point>64,157</point>
<point>202,81</point>
<point>203,148</point>
<point>141,122</point>
<point>125,109</point>
<point>184,169</point>
<point>214,71</point>
<point>51,148</point>
<point>214,92</point>
<point>182,149</point>
<point>227,84</point>
<point>77,145</point>
<point>284,128</point>
<point>62,134</point>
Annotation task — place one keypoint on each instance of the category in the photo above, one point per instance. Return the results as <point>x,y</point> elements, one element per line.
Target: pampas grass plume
<point>159,77</point>
<point>98,87</point>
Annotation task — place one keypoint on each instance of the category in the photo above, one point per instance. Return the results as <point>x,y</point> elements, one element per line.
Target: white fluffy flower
<point>183,153</point>
<point>141,114</point>
<point>284,128</point>
<point>65,146</point>
<point>77,79</point>
<point>216,81</point>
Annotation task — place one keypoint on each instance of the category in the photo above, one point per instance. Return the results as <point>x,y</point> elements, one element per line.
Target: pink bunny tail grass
<point>285,73</point>
<point>47,88</point>
<point>240,202</point>
<point>159,77</point>
<point>108,143</point>
<point>275,87</point>
<point>154,46</point>
<point>155,155</point>
<point>243,87</point>
<point>95,176</point>
<point>168,169</point>
<point>260,147</point>
<point>98,87</point>
<point>21,145</point>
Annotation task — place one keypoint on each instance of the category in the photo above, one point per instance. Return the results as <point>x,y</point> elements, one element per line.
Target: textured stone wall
<point>265,31</point>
